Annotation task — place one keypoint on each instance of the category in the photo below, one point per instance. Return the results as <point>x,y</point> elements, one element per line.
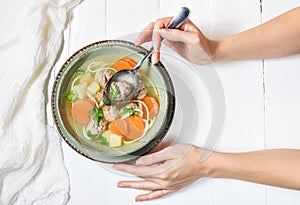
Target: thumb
<point>176,35</point>
<point>157,157</point>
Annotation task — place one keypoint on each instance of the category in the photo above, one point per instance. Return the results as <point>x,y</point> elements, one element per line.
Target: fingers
<point>141,171</point>
<point>157,157</point>
<point>145,35</point>
<point>176,35</point>
<point>156,38</point>
<point>154,195</point>
<point>143,185</point>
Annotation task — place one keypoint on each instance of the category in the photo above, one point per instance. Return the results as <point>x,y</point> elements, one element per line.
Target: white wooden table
<point>262,97</point>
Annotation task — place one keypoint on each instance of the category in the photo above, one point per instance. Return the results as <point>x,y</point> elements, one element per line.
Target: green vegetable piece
<point>79,71</point>
<point>103,140</point>
<point>114,92</point>
<point>96,113</point>
<point>129,111</point>
<point>105,100</point>
<point>89,134</point>
<point>71,96</point>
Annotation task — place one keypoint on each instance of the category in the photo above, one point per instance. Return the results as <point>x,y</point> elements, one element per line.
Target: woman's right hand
<point>188,41</point>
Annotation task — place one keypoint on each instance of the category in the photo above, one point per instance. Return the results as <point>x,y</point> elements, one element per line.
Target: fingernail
<point>121,185</point>
<point>162,31</point>
<point>153,58</point>
<point>139,162</point>
<point>116,167</point>
<point>138,199</point>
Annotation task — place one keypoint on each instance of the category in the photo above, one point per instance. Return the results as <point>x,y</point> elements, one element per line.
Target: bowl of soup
<point>111,133</point>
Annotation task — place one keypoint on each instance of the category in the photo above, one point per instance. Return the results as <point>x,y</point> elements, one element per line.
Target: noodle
<point>89,67</point>
<point>73,83</point>
<point>146,107</point>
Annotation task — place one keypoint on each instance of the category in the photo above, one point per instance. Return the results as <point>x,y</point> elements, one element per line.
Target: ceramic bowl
<point>157,73</point>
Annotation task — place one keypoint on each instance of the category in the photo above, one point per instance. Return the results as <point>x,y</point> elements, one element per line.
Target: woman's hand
<point>165,171</point>
<point>188,41</point>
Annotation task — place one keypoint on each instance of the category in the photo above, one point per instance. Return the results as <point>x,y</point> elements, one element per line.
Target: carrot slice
<point>152,105</point>
<point>130,128</point>
<point>80,111</point>
<point>136,128</point>
<point>137,122</point>
<point>119,127</point>
<point>124,63</point>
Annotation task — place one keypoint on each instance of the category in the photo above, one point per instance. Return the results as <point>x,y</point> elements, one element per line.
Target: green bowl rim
<point>159,136</point>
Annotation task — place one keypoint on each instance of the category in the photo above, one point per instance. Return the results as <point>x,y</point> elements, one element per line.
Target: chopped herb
<point>89,134</point>
<point>105,100</point>
<point>114,92</point>
<point>129,111</point>
<point>103,140</point>
<point>71,96</point>
<point>80,71</point>
<point>96,113</point>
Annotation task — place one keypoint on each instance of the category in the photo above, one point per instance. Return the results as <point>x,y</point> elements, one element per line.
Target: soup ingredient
<point>120,90</point>
<point>119,127</point>
<point>71,96</point>
<point>103,140</point>
<point>80,89</point>
<point>128,111</point>
<point>89,134</point>
<point>114,91</point>
<point>98,96</point>
<point>93,88</point>
<point>140,90</point>
<point>80,111</point>
<point>124,63</point>
<point>115,140</point>
<point>136,128</point>
<point>130,128</point>
<point>96,113</point>
<point>110,113</point>
<point>79,71</point>
<point>152,105</point>
<point>104,76</point>
<point>106,134</point>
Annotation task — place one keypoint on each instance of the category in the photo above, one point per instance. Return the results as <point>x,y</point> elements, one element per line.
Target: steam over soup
<point>115,125</point>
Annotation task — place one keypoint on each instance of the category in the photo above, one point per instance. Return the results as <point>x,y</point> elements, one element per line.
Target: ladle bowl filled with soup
<point>119,132</point>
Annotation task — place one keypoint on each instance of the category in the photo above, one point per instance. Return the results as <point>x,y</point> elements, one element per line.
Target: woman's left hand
<point>165,171</point>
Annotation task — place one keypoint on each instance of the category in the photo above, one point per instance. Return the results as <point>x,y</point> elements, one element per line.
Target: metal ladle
<point>130,75</point>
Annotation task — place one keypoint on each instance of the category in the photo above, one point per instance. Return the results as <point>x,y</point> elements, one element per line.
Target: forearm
<point>278,37</point>
<point>277,167</point>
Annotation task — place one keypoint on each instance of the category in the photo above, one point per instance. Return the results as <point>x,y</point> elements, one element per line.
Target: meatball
<point>131,105</point>
<point>110,113</point>
<point>140,91</point>
<point>103,77</point>
<point>120,90</point>
<point>98,129</point>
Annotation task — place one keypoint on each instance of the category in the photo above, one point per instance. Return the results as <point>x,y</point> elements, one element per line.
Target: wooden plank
<point>128,17</point>
<point>124,20</point>
<point>88,24</point>
<point>282,103</point>
<point>86,178</point>
<point>200,12</point>
<point>184,129</point>
<point>243,87</point>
